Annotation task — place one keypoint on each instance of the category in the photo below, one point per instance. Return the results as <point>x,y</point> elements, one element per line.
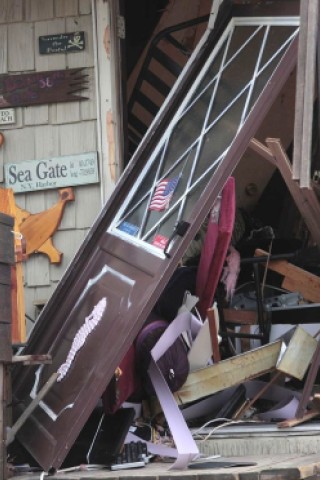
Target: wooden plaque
<point>38,88</point>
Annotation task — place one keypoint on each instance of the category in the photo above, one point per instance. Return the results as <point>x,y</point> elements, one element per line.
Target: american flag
<point>163,194</point>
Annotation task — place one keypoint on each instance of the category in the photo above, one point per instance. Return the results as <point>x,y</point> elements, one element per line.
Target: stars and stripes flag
<point>163,194</point>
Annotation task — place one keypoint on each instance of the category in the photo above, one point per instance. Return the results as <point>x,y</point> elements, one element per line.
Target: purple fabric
<point>187,449</point>
<point>173,364</point>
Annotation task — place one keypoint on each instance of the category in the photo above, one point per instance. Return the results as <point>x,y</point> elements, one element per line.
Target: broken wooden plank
<point>230,372</point>
<point>305,199</point>
<point>295,278</point>
<point>297,421</point>
<point>213,319</point>
<point>32,359</point>
<point>243,317</point>
<point>301,346</point>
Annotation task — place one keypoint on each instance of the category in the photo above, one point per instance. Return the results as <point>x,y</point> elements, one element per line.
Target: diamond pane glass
<point>204,127</point>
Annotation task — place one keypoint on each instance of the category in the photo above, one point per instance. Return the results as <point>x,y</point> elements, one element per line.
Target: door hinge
<point>121,27</point>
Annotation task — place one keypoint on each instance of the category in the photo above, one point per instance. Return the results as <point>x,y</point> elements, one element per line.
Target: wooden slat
<point>88,109</point>
<point>5,341</point>
<point>86,57</point>
<point>295,278</point>
<point>11,11</point>
<point>77,138</point>
<point>301,72</point>
<point>64,9</point>
<point>5,276</point>
<point>5,302</point>
<point>15,274</point>
<point>4,49</point>
<point>36,116</point>
<point>246,317</point>
<point>302,346</point>
<point>20,47</point>
<point>228,373</point>
<point>20,144</point>
<point>3,454</point>
<point>213,318</point>
<point>84,7</point>
<point>309,11</point>
<point>39,9</point>
<point>312,34</point>
<point>304,198</point>
<point>297,421</point>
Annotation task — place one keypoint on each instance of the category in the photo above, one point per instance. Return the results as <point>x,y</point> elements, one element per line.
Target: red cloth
<point>215,248</point>
<point>119,390</point>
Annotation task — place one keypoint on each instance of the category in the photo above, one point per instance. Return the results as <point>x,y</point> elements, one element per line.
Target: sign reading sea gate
<point>54,172</point>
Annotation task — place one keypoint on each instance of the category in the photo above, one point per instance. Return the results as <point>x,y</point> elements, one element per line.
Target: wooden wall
<point>50,130</point>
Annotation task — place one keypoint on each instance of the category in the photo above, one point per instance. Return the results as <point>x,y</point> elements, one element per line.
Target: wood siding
<point>44,131</point>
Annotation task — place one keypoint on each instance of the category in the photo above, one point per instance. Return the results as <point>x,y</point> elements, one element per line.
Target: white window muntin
<point>184,107</point>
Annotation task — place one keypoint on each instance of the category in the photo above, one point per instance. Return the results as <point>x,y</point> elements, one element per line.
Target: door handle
<point>180,229</point>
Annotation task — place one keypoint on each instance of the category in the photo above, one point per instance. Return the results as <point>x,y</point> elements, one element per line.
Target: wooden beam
<point>305,199</point>
<point>230,372</point>
<point>297,421</point>
<point>301,72</point>
<point>32,359</point>
<point>309,84</point>
<point>213,320</point>
<point>295,278</point>
<point>306,65</point>
<point>243,317</point>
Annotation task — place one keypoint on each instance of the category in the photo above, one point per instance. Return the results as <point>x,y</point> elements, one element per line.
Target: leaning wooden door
<point>139,238</point>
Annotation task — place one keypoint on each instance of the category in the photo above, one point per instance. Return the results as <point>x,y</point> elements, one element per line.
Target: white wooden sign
<point>50,173</point>
<point>7,116</point>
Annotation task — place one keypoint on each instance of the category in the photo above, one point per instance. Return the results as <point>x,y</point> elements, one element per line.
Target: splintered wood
<point>295,278</point>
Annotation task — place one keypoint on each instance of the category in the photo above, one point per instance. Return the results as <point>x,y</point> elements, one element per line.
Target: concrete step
<point>260,440</point>
<point>268,467</point>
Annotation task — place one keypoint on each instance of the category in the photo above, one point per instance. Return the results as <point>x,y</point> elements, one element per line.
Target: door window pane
<point>204,128</point>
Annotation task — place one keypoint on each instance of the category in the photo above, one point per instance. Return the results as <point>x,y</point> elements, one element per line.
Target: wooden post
<point>6,261</point>
<point>3,460</point>
<point>306,68</point>
<point>213,319</point>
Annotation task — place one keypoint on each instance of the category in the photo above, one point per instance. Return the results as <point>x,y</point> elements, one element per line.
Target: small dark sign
<point>38,88</point>
<point>62,43</point>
